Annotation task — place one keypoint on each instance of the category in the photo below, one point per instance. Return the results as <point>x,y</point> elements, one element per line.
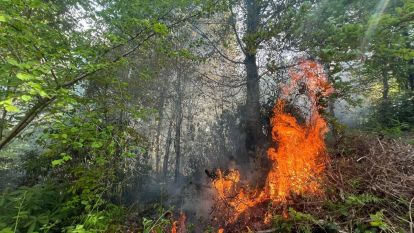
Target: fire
<point>299,159</point>
<point>238,198</point>
<point>225,184</point>
<point>174,227</point>
<point>179,226</point>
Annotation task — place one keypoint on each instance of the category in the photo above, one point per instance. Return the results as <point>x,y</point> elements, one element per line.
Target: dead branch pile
<point>366,175</point>
<point>383,167</point>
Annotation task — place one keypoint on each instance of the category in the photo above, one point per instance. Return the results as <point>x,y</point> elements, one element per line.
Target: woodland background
<point>110,111</point>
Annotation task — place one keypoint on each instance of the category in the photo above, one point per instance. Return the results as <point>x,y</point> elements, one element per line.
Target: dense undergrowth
<point>74,183</point>
<point>368,189</point>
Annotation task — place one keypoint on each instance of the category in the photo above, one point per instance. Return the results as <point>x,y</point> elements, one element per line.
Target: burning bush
<point>298,160</point>
<point>367,185</point>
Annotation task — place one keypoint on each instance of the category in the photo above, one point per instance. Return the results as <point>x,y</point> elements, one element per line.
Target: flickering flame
<point>228,190</point>
<point>179,226</point>
<point>226,184</point>
<point>174,227</point>
<point>300,157</point>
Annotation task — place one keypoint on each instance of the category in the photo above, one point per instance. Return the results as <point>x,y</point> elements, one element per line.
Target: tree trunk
<point>159,126</point>
<point>26,120</point>
<point>385,85</point>
<point>411,74</point>
<point>167,151</point>
<point>253,124</point>
<point>331,103</point>
<point>335,133</point>
<point>410,83</point>
<point>189,137</point>
<point>3,122</point>
<point>178,123</point>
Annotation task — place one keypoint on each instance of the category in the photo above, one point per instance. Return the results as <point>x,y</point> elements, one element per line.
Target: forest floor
<point>370,185</point>
<point>369,188</point>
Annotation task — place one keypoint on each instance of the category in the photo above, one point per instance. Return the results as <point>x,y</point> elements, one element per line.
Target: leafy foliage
<point>86,99</point>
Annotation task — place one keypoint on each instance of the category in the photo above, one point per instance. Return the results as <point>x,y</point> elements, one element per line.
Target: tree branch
<point>202,34</point>
<point>26,120</point>
<point>279,68</point>
<point>233,25</point>
<point>42,103</point>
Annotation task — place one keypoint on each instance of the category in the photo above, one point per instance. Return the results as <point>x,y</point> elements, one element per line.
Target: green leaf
<point>74,130</point>
<point>11,108</point>
<point>11,61</point>
<point>26,98</point>
<point>77,145</point>
<point>57,162</point>
<point>6,230</point>
<point>96,145</point>
<point>129,155</point>
<point>377,220</point>
<point>160,28</point>
<point>3,18</point>
<point>24,76</point>
<point>42,93</point>
<point>37,89</point>
<point>66,158</point>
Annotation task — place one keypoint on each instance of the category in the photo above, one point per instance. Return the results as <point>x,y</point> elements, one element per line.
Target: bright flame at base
<point>179,225</point>
<point>299,159</point>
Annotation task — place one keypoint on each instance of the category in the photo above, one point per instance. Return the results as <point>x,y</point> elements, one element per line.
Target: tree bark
<point>410,78</point>
<point>253,124</point>
<point>178,123</point>
<point>411,74</point>
<point>25,121</point>
<point>331,106</point>
<point>2,122</point>
<point>385,85</point>
<point>167,151</point>
<point>159,126</point>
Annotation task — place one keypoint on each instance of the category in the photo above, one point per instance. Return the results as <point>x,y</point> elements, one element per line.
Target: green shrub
<point>394,116</point>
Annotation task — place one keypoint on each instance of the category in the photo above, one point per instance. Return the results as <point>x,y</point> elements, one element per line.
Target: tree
<point>260,25</point>
<point>50,70</point>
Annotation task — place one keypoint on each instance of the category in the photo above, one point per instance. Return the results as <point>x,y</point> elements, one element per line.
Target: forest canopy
<point>206,116</point>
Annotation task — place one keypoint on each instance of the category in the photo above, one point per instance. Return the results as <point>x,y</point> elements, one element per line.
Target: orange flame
<point>174,227</point>
<point>179,226</point>
<point>300,157</point>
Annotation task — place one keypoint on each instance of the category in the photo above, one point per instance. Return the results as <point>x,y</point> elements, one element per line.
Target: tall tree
<point>266,24</point>
<point>253,126</point>
<point>49,70</point>
<point>178,121</point>
<point>168,142</point>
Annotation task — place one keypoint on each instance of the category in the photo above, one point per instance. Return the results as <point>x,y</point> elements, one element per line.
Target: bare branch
<point>221,84</point>
<point>205,36</point>
<point>278,68</point>
<point>233,25</point>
